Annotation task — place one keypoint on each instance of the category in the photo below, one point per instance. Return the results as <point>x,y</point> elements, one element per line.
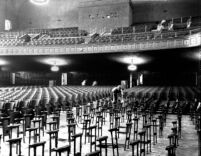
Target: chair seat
<point>77,135</point>
<point>14,140</point>
<point>31,129</point>
<point>51,122</point>
<point>37,144</point>
<point>14,126</point>
<point>170,147</point>
<point>62,149</point>
<point>37,120</point>
<point>133,143</point>
<point>102,138</point>
<point>52,132</point>
<point>95,153</point>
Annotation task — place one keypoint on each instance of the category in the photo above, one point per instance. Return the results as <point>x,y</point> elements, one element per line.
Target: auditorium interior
<point>60,61</point>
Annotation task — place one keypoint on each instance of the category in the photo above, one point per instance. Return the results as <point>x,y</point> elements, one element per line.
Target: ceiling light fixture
<point>55,68</point>
<point>132,67</point>
<point>39,2</point>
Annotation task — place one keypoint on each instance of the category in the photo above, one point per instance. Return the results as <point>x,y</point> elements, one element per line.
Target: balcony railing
<point>170,43</point>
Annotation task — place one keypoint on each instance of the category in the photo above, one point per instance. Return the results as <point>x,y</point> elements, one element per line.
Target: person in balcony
<point>170,26</point>
<point>188,23</point>
<point>160,26</point>
<point>159,29</point>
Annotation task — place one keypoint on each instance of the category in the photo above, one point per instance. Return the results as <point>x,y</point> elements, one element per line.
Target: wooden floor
<point>188,144</point>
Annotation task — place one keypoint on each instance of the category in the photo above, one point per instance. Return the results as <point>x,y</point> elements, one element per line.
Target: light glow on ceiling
<point>131,59</point>
<point>3,62</point>
<point>194,55</point>
<point>54,61</point>
<point>39,2</point>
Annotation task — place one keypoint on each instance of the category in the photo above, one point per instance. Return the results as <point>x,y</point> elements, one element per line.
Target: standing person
<point>116,92</point>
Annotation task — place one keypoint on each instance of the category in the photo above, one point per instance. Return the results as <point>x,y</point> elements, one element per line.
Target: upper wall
<point>100,16</point>
<point>64,13</point>
<point>2,14</point>
<point>155,10</point>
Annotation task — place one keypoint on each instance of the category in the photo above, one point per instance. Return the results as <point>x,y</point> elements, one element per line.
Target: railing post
<point>133,29</point>
<point>175,34</point>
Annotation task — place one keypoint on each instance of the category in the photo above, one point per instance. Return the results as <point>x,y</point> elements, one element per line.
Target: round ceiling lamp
<point>39,2</point>
<point>54,68</point>
<point>132,67</point>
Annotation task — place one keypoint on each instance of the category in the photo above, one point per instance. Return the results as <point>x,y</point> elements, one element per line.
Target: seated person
<point>170,26</point>
<point>188,23</point>
<point>160,26</point>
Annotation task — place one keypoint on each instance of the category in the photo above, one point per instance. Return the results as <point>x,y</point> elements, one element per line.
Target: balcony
<point>191,38</point>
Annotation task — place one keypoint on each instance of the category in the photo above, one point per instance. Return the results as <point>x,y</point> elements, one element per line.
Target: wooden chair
<point>34,146</point>
<point>5,122</point>
<point>99,123</point>
<point>39,123</point>
<point>148,137</point>
<point>114,138</point>
<point>74,138</point>
<point>142,142</point>
<point>136,119</point>
<point>63,149</point>
<point>133,144</point>
<point>92,134</point>
<point>103,145</point>
<point>16,141</point>
<point>71,131</point>
<point>171,150</point>
<point>154,125</point>
<point>96,153</point>
<point>53,135</point>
